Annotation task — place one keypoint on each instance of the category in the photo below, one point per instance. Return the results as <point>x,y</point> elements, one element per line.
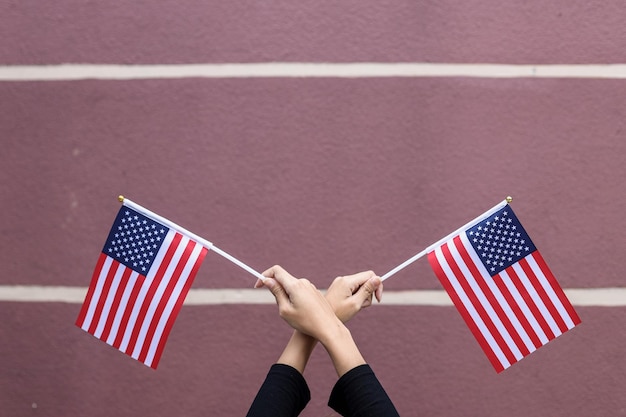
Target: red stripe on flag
<point>480,279</point>
<point>132,299</point>
<point>151,291</point>
<point>167,294</point>
<point>556,287</point>
<point>103,296</point>
<point>534,280</point>
<point>530,303</point>
<point>92,287</point>
<point>478,305</point>
<point>521,317</point>
<point>176,309</point>
<point>441,275</point>
<point>116,304</point>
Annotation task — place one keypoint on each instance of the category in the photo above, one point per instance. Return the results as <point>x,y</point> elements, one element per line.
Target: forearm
<point>342,349</point>
<point>298,351</point>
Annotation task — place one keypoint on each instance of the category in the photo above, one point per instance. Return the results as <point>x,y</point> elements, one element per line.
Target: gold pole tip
<point>509,199</point>
<point>120,198</point>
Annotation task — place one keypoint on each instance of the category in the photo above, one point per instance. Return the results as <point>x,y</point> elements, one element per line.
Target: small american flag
<point>502,287</point>
<point>139,284</point>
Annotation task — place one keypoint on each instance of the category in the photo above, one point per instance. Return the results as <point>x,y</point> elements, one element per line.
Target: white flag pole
<point>204,242</point>
<point>238,263</point>
<point>405,264</point>
<point>439,242</point>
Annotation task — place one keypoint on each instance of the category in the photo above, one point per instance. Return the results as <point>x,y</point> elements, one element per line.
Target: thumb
<point>367,289</point>
<point>277,290</point>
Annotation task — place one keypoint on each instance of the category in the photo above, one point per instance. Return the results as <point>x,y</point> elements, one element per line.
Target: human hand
<point>301,305</point>
<point>351,293</point>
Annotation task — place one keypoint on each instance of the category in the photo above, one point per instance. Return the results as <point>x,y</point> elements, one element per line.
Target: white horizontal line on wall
<point>295,69</point>
<point>601,297</point>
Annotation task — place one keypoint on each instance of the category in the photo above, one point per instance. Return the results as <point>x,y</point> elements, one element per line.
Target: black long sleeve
<point>284,393</point>
<point>358,393</point>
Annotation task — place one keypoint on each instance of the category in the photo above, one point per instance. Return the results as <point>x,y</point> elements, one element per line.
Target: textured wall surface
<point>171,31</point>
<point>325,176</point>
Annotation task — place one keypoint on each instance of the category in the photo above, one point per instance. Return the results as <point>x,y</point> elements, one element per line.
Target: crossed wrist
<point>343,351</point>
<point>332,332</point>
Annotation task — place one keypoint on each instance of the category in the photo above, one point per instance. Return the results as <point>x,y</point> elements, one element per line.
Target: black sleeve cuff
<point>358,393</point>
<point>284,393</point>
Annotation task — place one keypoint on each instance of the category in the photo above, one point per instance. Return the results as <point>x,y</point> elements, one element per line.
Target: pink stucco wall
<point>178,31</point>
<point>325,176</point>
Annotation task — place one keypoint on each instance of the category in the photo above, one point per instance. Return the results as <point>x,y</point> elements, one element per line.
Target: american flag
<point>139,284</point>
<point>502,287</point>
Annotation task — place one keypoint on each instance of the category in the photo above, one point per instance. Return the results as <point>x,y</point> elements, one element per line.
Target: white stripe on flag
<point>530,289</point>
<point>470,307</point>
<point>171,303</point>
<point>106,311</point>
<point>132,322</point>
<point>521,303</point>
<point>167,276</point>
<point>97,293</point>
<point>482,299</point>
<point>508,311</point>
<point>550,291</point>
<point>119,313</point>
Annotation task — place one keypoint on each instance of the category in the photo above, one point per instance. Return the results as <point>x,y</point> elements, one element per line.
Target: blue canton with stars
<point>500,240</point>
<point>134,240</point>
